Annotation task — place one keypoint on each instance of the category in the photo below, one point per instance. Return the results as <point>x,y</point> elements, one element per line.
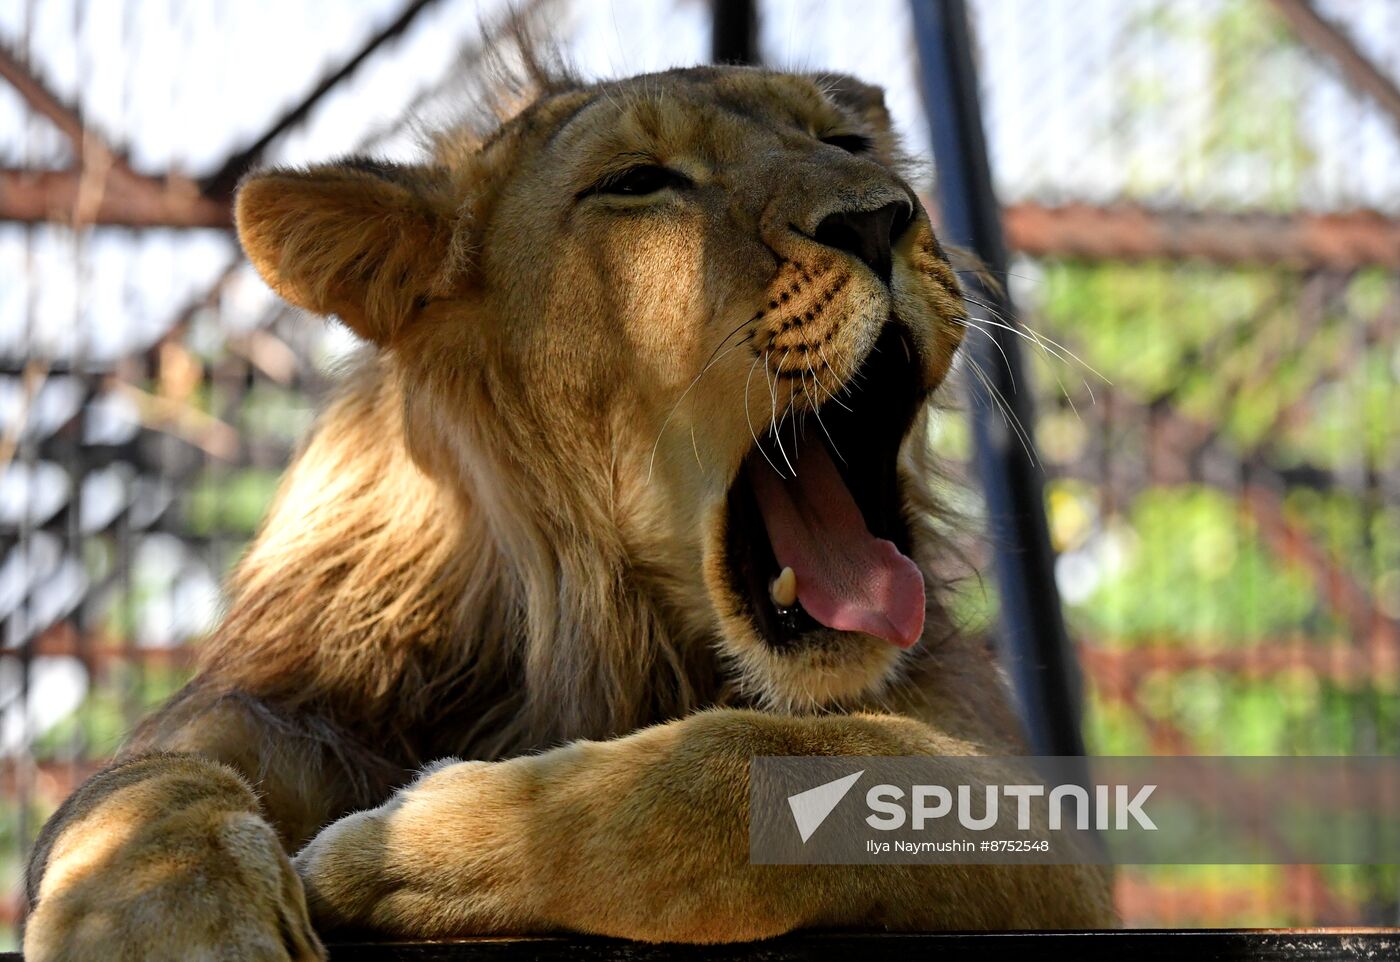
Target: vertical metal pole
<point>1038,652</point>
<point>735,35</point>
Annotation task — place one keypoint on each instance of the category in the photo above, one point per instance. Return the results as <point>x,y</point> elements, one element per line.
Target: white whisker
<point>816,410</point>
<point>1044,344</point>
<point>1007,414</point>
<point>996,344</point>
<point>1047,344</point>
<point>773,413</point>
<point>749,418</point>
<point>651,462</point>
<point>831,394</point>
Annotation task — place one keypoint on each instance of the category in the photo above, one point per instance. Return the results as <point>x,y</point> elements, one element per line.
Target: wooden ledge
<point>1138,945</point>
<point>1234,945</point>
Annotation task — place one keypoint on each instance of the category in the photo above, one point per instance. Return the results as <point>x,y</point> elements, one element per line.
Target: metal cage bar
<point>1037,648</point>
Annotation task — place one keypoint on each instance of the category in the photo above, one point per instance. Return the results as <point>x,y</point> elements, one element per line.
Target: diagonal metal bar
<point>1327,39</point>
<point>222,182</point>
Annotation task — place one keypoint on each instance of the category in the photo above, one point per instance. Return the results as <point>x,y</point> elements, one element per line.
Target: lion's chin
<point>835,669</point>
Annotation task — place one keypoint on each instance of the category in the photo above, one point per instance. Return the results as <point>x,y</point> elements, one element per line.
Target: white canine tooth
<point>783,590</point>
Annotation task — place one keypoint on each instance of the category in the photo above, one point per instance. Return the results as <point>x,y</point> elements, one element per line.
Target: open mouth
<point>817,538</point>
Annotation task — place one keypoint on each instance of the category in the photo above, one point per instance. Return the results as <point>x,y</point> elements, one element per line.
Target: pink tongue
<point>847,578</point>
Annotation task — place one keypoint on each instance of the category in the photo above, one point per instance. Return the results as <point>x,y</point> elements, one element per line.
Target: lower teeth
<point>783,589</point>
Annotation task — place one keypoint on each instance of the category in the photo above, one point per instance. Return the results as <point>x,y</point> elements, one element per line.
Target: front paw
<point>223,890</point>
<point>341,869</point>
<point>436,860</point>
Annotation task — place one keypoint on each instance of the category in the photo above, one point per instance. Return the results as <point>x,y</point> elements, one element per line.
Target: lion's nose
<point>867,234</point>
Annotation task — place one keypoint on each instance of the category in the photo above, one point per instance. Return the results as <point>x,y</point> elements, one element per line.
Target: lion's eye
<point>639,181</point>
<point>850,143</point>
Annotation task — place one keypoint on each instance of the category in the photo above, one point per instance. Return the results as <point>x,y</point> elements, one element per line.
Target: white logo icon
<point>810,808</point>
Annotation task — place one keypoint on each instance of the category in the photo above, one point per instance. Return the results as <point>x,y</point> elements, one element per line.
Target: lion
<point>629,485</point>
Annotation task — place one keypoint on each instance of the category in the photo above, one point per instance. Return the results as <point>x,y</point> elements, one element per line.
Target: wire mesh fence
<point>1216,393</point>
<point>1204,201</point>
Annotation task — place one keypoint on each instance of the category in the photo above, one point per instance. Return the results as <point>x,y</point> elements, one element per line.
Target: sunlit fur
<point>505,534</point>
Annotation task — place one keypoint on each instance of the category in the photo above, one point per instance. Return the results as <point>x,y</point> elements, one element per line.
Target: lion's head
<point>681,324</point>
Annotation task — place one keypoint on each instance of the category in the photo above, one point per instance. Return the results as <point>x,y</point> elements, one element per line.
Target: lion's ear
<point>864,100</point>
<point>365,241</point>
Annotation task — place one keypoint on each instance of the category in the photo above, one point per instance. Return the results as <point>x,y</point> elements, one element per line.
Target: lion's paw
<point>225,892</point>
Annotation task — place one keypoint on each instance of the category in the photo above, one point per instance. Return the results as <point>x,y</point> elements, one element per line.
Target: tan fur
<point>504,541</point>
<point>203,846</point>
